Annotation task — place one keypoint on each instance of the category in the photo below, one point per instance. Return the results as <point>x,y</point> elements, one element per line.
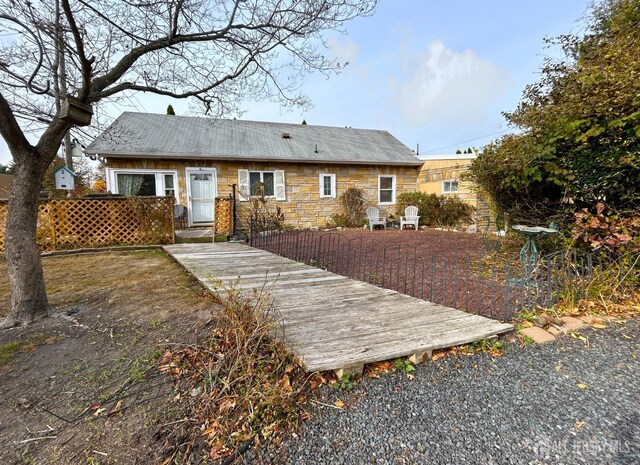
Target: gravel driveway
<point>523,408</point>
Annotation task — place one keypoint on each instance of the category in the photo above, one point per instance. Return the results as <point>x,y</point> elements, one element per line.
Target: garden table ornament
<point>529,252</point>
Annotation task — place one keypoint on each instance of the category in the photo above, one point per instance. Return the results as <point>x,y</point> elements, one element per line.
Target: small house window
<point>271,181</point>
<point>169,188</point>
<point>386,189</point>
<point>264,177</point>
<point>327,185</point>
<point>450,187</point>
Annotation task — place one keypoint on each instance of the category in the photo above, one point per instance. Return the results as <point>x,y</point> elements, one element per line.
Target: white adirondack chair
<point>373,215</point>
<point>410,217</point>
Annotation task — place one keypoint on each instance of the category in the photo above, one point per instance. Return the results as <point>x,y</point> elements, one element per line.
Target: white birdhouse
<point>64,178</point>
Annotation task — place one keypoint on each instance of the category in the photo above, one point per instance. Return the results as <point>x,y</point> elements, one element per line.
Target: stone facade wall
<point>434,172</point>
<point>303,206</point>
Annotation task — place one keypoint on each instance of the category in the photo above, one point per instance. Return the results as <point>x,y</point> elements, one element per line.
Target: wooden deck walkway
<point>332,322</point>
<point>195,233</point>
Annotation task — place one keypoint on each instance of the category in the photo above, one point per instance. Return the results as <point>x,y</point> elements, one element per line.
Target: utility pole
<point>60,84</point>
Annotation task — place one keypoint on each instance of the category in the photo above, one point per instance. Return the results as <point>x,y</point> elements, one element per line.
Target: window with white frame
<point>386,189</point>
<point>143,182</point>
<point>264,177</point>
<point>327,185</point>
<point>169,185</point>
<point>272,182</point>
<point>450,187</point>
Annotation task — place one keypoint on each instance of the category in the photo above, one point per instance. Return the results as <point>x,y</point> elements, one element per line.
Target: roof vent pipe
<point>285,135</point>
<point>316,150</point>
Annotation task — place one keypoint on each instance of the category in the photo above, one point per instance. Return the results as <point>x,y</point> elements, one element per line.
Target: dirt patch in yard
<point>81,386</point>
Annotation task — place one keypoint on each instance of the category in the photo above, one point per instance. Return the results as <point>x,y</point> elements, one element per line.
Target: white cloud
<point>446,87</point>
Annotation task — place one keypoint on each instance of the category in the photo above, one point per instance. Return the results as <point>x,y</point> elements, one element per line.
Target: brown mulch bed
<point>446,267</point>
<point>429,241</point>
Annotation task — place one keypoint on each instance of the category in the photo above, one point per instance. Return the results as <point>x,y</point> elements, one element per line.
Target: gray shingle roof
<point>145,135</point>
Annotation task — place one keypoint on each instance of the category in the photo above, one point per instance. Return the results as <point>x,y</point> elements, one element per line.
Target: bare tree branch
<point>10,129</point>
<point>84,62</point>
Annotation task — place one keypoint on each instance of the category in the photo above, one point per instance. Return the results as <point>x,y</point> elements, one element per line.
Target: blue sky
<point>433,73</point>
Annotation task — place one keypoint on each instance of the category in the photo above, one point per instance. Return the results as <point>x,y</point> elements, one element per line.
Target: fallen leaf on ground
<point>580,424</point>
<point>598,326</point>
<point>578,336</point>
<point>286,384</point>
<point>338,403</point>
<point>410,376</point>
<point>582,386</point>
<point>115,410</point>
<point>381,367</point>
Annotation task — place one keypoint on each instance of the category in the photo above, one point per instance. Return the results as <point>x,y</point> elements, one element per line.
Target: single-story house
<point>303,168</point>
<point>442,175</point>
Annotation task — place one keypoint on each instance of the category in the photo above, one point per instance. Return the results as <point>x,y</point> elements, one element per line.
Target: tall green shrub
<point>578,138</point>
<point>443,211</point>
<point>453,212</point>
<point>428,205</point>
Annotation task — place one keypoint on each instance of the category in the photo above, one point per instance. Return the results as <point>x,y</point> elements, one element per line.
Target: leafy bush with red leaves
<point>602,229</point>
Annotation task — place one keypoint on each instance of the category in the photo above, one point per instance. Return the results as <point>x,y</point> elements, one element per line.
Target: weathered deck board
<point>330,321</point>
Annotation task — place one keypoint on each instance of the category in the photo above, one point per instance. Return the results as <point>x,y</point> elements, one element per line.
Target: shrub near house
<point>443,211</point>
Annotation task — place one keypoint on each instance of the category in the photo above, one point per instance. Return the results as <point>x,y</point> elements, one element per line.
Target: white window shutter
<point>321,184</point>
<point>279,185</point>
<point>334,186</point>
<point>243,185</point>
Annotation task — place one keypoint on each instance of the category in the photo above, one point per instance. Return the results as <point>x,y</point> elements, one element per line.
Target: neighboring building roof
<point>452,156</point>
<point>145,135</point>
<point>5,185</point>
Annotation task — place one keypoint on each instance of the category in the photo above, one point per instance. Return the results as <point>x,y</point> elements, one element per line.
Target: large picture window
<point>136,184</point>
<point>142,183</point>
<point>386,189</point>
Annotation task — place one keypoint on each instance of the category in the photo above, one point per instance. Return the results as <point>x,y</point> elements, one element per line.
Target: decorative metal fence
<point>78,223</point>
<point>478,283</point>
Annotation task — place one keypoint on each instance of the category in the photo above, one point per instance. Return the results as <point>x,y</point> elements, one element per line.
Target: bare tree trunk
<point>26,279</point>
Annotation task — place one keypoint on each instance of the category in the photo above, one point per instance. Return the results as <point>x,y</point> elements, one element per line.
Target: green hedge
<point>444,211</point>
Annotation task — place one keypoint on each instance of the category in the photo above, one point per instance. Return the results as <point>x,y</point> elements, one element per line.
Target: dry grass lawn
<point>81,386</point>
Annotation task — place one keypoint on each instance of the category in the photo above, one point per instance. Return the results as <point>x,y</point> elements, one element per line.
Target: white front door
<point>202,193</point>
